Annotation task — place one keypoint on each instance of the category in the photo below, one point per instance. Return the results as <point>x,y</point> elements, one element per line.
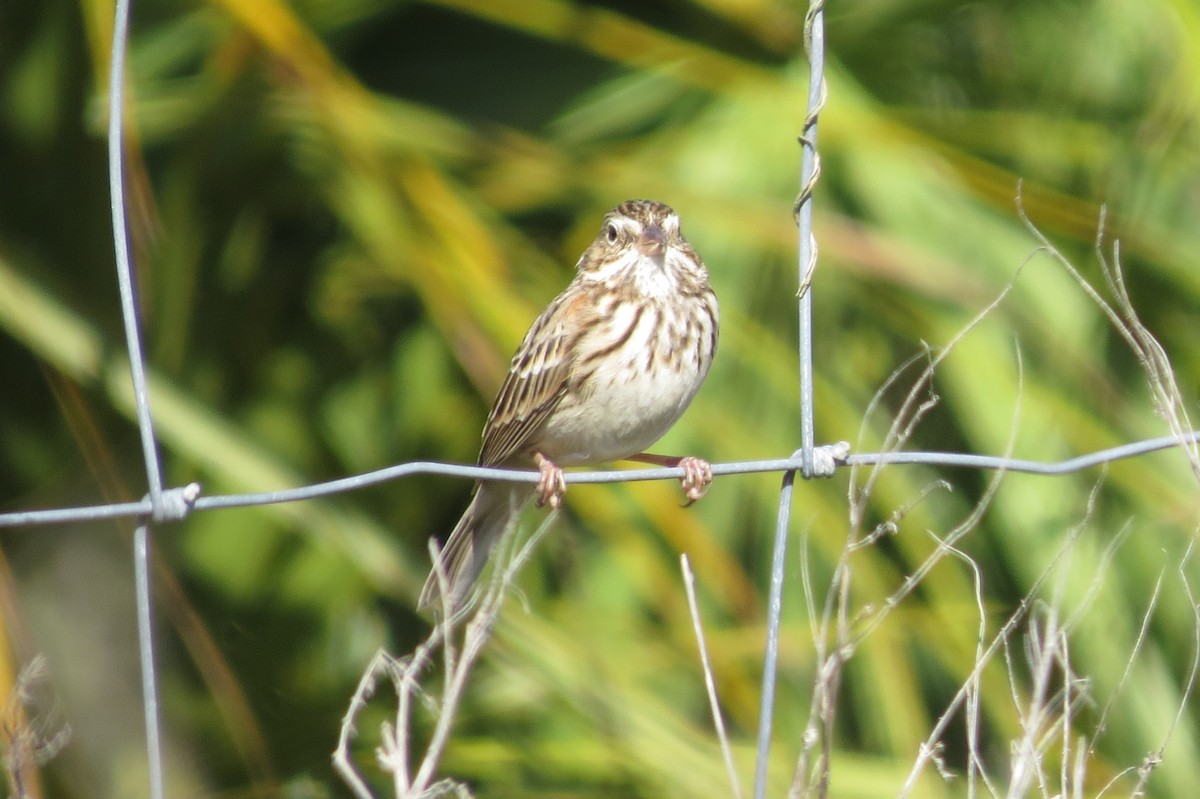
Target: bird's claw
<point>697,476</point>
<point>552,485</point>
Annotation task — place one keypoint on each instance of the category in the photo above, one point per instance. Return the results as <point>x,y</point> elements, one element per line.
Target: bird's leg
<point>552,484</point>
<point>697,473</point>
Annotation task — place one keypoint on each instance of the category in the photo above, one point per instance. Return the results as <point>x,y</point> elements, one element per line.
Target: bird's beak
<point>653,242</point>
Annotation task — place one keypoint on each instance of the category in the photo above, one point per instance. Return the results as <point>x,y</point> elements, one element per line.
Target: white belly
<point>627,401</point>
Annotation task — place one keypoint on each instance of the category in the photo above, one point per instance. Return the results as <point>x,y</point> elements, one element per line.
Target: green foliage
<point>345,214</point>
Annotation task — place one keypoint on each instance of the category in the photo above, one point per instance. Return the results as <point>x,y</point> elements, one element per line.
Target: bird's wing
<point>536,380</point>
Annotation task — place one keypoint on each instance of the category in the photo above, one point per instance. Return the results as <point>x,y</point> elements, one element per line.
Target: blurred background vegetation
<point>345,214</point>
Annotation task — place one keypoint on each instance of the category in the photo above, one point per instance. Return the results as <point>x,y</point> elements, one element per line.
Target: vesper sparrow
<point>602,374</point>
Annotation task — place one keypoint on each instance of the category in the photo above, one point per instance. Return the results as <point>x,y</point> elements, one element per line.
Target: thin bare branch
<point>689,584</point>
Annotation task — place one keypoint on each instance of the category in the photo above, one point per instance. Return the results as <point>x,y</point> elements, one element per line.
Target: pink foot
<point>697,477</point>
<point>697,473</point>
<point>552,484</point>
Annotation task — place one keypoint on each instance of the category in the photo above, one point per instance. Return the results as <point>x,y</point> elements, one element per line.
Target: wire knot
<point>826,459</point>
<point>176,503</point>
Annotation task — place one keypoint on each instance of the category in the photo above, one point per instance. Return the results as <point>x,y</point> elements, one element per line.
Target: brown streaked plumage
<point>606,369</point>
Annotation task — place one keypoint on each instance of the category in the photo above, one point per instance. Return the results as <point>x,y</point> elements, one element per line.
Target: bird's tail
<point>466,551</point>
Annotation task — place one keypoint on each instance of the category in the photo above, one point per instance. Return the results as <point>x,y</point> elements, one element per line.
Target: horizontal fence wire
<point>178,502</point>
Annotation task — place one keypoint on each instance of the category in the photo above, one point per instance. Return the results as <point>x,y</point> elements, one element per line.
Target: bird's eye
<point>610,232</point>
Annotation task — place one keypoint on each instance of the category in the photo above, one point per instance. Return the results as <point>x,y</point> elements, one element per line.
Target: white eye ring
<point>610,232</point>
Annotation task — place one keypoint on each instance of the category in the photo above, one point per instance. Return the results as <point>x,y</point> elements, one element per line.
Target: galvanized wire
<point>116,182</point>
<point>774,615</point>
<point>810,171</point>
<point>137,365</point>
<point>176,503</point>
<point>145,625</point>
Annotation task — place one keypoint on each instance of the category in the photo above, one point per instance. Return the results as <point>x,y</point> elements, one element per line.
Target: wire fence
<point>173,504</point>
<point>176,503</point>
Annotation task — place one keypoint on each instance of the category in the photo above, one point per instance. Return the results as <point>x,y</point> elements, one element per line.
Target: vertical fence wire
<point>141,564</point>
<point>141,536</point>
<point>814,41</point>
<point>116,180</point>
<point>771,655</point>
